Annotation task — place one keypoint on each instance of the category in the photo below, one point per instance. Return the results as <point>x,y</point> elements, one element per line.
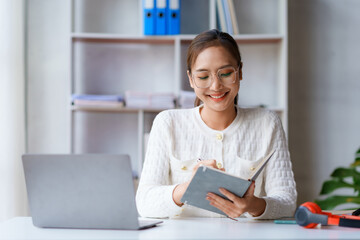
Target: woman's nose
<point>216,83</point>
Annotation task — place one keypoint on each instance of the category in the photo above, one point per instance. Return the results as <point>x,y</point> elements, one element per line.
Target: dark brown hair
<point>212,38</point>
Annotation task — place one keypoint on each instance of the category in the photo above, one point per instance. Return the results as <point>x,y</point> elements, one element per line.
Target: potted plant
<point>342,177</point>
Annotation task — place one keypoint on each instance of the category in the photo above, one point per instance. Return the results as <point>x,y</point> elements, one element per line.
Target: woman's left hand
<point>236,206</point>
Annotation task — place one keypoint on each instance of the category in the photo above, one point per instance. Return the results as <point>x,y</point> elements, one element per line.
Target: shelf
<point>110,55</point>
<point>115,109</point>
<point>170,39</point>
<point>123,38</point>
<point>153,110</point>
<point>244,38</point>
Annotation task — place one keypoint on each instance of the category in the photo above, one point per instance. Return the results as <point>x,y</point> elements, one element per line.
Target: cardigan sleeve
<point>154,194</point>
<point>279,180</point>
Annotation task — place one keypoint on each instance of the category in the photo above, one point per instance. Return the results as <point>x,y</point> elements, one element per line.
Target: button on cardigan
<point>179,137</point>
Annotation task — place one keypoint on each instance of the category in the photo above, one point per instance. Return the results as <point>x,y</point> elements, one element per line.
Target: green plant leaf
<point>331,185</point>
<point>356,162</point>
<point>333,201</point>
<point>358,151</point>
<point>345,172</point>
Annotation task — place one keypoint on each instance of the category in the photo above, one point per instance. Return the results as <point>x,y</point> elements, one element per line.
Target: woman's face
<point>219,95</point>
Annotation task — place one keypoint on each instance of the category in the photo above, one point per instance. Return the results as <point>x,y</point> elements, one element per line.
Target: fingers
<point>208,163</point>
<point>234,206</point>
<point>228,194</point>
<point>226,206</point>
<point>251,190</point>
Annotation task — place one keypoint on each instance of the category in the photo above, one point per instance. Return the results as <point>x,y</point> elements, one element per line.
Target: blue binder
<point>173,17</point>
<point>149,17</point>
<point>160,19</point>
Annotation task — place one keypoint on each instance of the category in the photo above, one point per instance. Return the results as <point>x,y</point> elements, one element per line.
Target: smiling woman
<point>13,200</point>
<point>223,135</point>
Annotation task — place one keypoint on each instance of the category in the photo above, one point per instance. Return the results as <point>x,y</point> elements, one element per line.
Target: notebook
<point>207,179</point>
<point>91,191</point>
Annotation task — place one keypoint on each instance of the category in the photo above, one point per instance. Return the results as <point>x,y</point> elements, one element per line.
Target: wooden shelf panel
<point>114,109</point>
<point>153,110</point>
<point>106,37</point>
<point>169,39</point>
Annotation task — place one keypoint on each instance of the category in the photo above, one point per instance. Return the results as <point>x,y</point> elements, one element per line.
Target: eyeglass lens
<point>204,79</point>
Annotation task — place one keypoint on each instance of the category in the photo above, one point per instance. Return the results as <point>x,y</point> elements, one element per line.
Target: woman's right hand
<point>180,189</point>
<point>209,163</point>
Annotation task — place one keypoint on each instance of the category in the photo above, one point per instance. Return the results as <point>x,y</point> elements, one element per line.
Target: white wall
<point>48,71</point>
<point>324,89</point>
<point>13,201</point>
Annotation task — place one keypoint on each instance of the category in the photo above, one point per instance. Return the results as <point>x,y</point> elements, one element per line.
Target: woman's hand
<point>180,189</point>
<point>236,206</point>
<point>209,163</point>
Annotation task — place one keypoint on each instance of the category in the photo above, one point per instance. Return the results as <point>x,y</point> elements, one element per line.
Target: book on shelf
<point>226,16</point>
<point>162,100</point>
<point>99,104</point>
<point>101,101</point>
<point>234,21</point>
<point>221,15</point>
<point>135,99</point>
<point>161,17</point>
<point>145,100</point>
<point>98,97</point>
<point>187,99</point>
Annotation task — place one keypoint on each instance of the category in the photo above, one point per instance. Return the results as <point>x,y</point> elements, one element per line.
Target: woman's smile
<point>217,97</point>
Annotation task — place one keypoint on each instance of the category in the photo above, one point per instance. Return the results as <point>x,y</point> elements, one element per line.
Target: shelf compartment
<point>106,133</point>
<point>258,16</point>
<point>107,16</point>
<point>113,67</point>
<point>261,74</point>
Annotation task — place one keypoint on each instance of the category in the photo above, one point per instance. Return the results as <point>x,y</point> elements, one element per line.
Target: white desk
<point>190,228</point>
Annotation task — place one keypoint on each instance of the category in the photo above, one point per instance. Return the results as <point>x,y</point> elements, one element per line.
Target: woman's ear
<point>190,81</point>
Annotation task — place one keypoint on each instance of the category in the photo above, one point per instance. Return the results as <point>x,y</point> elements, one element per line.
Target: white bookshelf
<point>109,56</point>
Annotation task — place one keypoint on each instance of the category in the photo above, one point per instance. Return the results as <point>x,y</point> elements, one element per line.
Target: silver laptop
<point>82,191</point>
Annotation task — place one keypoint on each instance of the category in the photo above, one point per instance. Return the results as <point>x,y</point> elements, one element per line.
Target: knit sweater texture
<point>179,137</point>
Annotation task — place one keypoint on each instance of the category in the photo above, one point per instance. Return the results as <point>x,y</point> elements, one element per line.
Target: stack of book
<point>149,100</point>
<point>137,99</point>
<point>226,15</point>
<point>187,99</point>
<point>162,100</point>
<point>100,101</point>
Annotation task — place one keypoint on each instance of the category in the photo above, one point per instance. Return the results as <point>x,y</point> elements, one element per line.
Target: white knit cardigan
<point>179,137</point>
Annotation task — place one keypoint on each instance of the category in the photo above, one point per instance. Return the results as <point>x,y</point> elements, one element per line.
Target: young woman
<point>223,135</point>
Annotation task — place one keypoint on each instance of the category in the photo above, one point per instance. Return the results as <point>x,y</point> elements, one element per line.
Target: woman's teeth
<point>219,96</point>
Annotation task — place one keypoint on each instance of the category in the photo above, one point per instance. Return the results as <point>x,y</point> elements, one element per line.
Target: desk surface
<point>184,228</point>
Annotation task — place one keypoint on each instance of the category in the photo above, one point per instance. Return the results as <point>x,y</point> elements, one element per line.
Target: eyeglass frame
<point>217,75</point>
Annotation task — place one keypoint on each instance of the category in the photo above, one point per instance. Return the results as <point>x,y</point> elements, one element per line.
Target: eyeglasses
<point>204,79</point>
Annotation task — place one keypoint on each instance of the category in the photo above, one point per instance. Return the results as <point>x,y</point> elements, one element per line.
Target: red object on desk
<point>309,215</point>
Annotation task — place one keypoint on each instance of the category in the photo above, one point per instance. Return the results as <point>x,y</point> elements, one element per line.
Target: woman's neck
<point>218,120</point>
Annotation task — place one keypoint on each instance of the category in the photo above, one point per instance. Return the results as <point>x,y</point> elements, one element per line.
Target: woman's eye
<point>226,74</point>
<point>203,77</point>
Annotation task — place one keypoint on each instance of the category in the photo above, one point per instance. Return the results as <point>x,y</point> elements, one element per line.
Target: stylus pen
<point>282,221</point>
